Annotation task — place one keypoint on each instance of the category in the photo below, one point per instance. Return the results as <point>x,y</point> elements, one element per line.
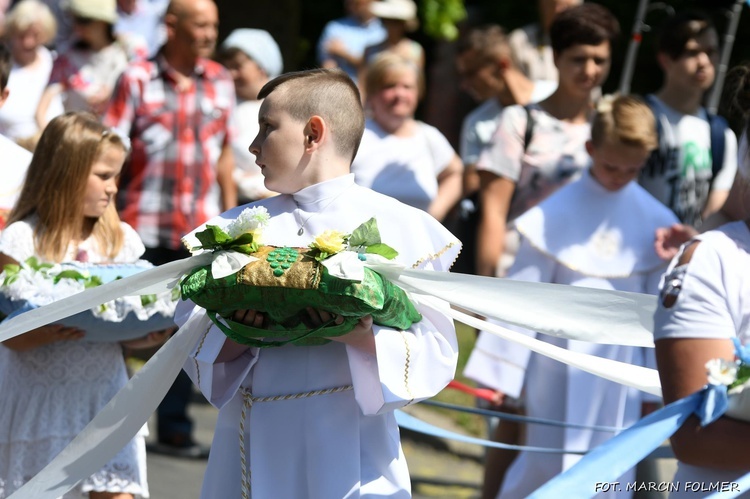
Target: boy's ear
<point>316,132</point>
<point>4,96</point>
<point>589,147</point>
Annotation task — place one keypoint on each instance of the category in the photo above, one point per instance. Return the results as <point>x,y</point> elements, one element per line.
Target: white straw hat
<point>402,10</point>
<point>100,10</point>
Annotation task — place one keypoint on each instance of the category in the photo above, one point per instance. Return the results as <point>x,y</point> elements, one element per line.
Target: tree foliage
<point>441,17</point>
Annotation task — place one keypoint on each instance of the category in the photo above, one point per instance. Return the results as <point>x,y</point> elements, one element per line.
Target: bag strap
<point>718,126</point>
<point>656,162</point>
<point>530,123</point>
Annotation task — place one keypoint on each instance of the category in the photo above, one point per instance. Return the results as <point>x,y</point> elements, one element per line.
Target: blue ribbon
<point>617,455</point>
<point>504,416</point>
<point>409,422</point>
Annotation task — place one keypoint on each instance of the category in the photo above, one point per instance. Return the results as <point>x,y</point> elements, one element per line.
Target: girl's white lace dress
<point>48,394</point>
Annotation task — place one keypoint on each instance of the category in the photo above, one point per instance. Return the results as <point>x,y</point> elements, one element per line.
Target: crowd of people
<point>124,125</point>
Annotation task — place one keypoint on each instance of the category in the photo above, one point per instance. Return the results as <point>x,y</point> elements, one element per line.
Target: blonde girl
<point>52,381</point>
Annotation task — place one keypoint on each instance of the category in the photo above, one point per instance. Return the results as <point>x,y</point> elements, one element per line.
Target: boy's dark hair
<point>328,93</point>
<point>5,65</point>
<point>585,24</point>
<point>677,30</point>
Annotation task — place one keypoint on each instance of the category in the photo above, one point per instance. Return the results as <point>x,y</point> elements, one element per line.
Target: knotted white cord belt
<point>248,401</point>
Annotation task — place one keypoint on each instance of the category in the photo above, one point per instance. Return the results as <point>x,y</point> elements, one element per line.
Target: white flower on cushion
<point>39,289</point>
<point>250,220</point>
<point>721,372</point>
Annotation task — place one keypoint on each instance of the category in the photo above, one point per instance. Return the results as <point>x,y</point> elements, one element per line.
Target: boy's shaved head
<point>328,93</point>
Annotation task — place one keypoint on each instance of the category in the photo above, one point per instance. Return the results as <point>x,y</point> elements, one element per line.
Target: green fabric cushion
<point>282,284</point>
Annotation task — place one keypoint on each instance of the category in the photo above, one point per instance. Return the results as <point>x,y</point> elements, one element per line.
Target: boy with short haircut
<point>343,443</point>
<point>596,232</point>
<point>693,168</point>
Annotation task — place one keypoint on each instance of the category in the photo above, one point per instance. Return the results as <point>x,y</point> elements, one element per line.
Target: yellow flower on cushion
<point>257,235</point>
<point>330,241</point>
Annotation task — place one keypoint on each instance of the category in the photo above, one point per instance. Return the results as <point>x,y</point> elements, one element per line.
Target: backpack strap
<point>653,104</point>
<point>657,161</point>
<point>530,123</point>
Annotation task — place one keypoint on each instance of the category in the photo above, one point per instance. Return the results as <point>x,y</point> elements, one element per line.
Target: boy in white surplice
<point>342,444</point>
<point>596,232</point>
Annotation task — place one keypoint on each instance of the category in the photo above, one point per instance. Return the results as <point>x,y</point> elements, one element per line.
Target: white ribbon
<point>349,265</point>
<point>229,262</point>
<point>586,314</point>
<point>117,423</point>
<point>640,378</point>
<point>564,311</point>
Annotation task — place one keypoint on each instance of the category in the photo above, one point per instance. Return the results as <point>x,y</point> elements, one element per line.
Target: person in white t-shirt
<point>704,304</point>
<point>28,27</point>
<point>400,156</point>
<point>252,57</point>
<point>490,76</point>
<point>688,172</point>
<point>15,159</point>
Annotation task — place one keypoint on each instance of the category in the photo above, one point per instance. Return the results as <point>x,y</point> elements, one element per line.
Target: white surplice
<point>342,444</point>
<point>583,235</point>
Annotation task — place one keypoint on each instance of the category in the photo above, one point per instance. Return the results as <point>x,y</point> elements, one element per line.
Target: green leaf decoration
<point>11,273</point>
<point>247,249</point>
<point>366,234</point>
<point>93,282</point>
<point>213,237</point>
<point>383,250</point>
<point>148,300</point>
<point>69,274</point>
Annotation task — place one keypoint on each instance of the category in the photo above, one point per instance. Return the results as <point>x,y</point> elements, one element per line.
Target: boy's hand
<point>251,318</point>
<point>361,337</point>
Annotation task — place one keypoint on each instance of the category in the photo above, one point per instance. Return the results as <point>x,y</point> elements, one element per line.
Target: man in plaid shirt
<point>177,109</point>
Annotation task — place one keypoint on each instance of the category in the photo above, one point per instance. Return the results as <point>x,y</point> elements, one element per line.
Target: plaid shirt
<point>169,185</point>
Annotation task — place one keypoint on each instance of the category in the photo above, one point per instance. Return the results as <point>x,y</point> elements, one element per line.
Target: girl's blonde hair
<point>626,120</point>
<point>56,183</point>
